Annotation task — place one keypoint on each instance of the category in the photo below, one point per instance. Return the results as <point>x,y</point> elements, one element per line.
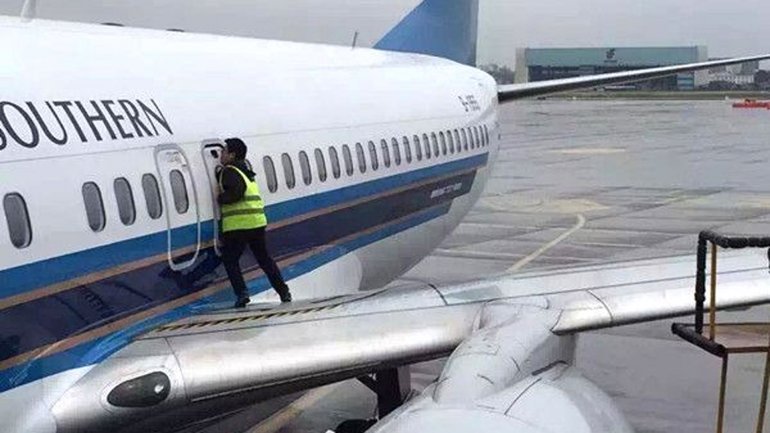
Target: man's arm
<point>233,187</point>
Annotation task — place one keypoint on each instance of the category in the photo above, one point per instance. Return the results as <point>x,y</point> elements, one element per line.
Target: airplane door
<point>211,151</point>
<point>180,200</point>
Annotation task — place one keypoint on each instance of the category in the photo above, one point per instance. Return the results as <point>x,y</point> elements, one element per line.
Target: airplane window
<point>17,217</point>
<point>407,149</point>
<point>486,134</point>
<point>426,145</point>
<point>152,196</point>
<point>373,156</point>
<point>434,141</point>
<point>385,153</point>
<point>465,139</point>
<point>417,148</point>
<point>451,142</point>
<point>179,190</point>
<point>396,151</point>
<point>459,143</point>
<point>442,139</point>
<point>361,158</point>
<point>320,163</point>
<point>288,171</point>
<point>125,198</point>
<point>348,160</point>
<point>92,198</point>
<point>272,179</point>
<point>335,159</point>
<point>476,135</point>
<point>304,165</point>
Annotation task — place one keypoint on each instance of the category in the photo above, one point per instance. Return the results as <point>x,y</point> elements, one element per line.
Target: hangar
<point>539,64</point>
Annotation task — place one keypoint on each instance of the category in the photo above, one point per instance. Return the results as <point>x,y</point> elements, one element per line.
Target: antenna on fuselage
<point>355,40</point>
<point>29,11</point>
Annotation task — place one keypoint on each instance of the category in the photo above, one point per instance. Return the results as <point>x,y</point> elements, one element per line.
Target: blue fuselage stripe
<point>44,273</point>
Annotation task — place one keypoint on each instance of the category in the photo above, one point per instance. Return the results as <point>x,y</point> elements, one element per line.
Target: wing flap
<point>528,90</point>
<point>299,354</point>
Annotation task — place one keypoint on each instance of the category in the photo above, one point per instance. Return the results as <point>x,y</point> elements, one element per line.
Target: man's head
<point>235,150</point>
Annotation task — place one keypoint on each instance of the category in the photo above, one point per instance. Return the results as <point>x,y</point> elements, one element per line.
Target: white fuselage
<point>90,112</point>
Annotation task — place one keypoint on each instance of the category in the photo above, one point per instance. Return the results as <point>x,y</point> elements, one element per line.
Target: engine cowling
<point>513,374</point>
<point>559,400</point>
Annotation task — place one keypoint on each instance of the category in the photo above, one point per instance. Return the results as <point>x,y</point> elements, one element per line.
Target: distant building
<point>539,64</point>
<point>737,75</point>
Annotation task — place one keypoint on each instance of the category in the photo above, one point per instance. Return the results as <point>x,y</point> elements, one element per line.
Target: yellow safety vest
<point>247,213</point>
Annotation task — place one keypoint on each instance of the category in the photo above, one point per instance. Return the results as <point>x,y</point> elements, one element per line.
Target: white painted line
<point>284,416</point>
<point>483,255</point>
<point>506,226</point>
<point>542,250</point>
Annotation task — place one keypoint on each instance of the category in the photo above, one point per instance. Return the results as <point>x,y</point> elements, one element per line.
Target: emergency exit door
<point>211,152</point>
<point>181,205</point>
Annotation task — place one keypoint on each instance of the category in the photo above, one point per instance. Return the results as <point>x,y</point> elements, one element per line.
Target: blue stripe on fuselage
<point>70,266</point>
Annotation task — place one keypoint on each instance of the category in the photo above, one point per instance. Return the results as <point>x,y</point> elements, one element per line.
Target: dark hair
<point>236,146</point>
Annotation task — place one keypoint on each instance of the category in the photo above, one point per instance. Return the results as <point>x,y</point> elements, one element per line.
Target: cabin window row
<point>19,224</point>
<point>124,196</point>
<point>371,155</point>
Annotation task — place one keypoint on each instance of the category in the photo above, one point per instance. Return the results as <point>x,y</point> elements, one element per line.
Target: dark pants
<point>234,244</point>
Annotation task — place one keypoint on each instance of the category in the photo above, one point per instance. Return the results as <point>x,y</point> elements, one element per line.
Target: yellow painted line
<point>286,415</point>
<point>581,222</point>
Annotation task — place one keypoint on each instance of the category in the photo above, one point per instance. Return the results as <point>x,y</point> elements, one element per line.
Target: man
<point>244,222</point>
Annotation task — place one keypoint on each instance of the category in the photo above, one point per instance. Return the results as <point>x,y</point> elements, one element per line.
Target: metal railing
<point>726,242</point>
<point>716,241</point>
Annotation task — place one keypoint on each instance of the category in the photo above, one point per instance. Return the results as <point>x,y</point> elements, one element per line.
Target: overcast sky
<point>728,28</point>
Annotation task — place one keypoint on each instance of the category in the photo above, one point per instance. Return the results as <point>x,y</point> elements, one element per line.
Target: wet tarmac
<point>586,182</point>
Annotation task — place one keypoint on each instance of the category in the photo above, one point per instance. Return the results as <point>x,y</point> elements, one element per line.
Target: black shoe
<point>286,298</point>
<point>241,302</point>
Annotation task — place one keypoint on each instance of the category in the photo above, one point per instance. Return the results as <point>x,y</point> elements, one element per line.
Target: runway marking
<point>284,416</point>
<point>542,250</point>
<point>610,245</point>
<point>464,254</point>
<point>502,226</point>
<point>556,207</point>
<point>505,206</point>
<point>589,151</point>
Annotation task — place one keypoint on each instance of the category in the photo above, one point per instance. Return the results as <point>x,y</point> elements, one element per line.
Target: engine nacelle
<point>557,400</point>
<point>512,375</point>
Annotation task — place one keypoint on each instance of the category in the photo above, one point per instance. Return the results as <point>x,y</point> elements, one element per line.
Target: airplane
<point>113,307</point>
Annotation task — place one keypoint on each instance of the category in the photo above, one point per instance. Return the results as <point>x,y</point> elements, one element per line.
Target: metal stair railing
<point>728,338</point>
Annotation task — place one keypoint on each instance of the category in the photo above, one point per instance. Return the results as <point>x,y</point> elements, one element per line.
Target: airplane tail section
<point>441,28</point>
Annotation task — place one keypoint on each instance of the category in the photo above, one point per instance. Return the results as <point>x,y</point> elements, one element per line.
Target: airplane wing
<point>224,359</point>
<point>527,90</point>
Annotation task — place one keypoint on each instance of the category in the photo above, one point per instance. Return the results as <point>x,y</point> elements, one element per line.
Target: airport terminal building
<point>539,64</point>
